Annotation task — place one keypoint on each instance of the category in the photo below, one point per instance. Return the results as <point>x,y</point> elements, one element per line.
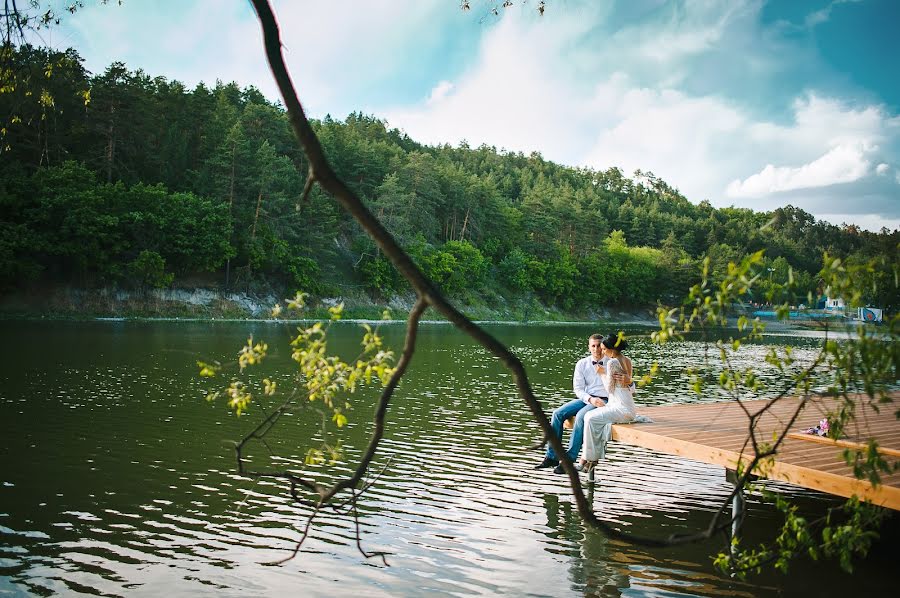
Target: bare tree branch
<point>321,172</point>
<point>302,539</point>
<point>329,181</point>
<point>368,555</point>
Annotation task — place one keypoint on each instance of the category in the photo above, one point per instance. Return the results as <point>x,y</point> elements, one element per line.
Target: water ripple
<point>144,496</point>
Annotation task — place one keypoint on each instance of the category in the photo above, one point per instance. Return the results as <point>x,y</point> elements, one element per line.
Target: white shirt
<point>586,382</point>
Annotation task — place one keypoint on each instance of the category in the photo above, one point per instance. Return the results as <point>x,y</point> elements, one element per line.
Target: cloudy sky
<point>741,102</point>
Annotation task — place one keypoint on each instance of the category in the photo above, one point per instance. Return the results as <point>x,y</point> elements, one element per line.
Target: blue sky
<point>740,102</point>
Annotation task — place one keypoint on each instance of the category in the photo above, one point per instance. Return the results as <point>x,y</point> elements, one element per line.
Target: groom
<point>591,393</point>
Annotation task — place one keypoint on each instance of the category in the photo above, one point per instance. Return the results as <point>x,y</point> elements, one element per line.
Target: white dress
<point>598,422</point>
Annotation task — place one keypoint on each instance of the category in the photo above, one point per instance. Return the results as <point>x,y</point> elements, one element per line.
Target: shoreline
<point>200,304</point>
<point>206,305</point>
<point>771,326</point>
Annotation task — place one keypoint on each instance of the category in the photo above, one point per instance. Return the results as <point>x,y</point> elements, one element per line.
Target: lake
<point>118,478</point>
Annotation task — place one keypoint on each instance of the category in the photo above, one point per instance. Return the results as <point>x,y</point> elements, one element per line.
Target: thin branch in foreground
<point>366,486</point>
<point>425,290</point>
<point>368,555</point>
<point>300,542</point>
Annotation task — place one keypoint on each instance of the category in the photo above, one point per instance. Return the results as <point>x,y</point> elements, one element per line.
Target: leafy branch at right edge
<point>855,366</point>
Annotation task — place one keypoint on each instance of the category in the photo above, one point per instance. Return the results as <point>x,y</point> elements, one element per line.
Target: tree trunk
<point>230,209</point>
<point>111,143</point>
<point>256,216</point>
<point>462,233</point>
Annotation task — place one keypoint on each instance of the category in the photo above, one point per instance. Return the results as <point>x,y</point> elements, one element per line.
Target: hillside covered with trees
<point>125,180</point>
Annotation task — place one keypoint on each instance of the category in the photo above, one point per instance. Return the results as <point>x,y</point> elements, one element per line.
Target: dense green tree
<point>43,94</point>
<point>232,201</point>
<point>148,271</point>
<point>513,270</point>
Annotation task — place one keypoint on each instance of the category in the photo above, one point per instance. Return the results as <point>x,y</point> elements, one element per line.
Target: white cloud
<point>673,135</point>
<point>439,92</point>
<point>822,15</point>
<point>882,169</point>
<point>514,96</point>
<point>872,222</point>
<point>683,32</point>
<point>834,144</point>
<point>842,164</point>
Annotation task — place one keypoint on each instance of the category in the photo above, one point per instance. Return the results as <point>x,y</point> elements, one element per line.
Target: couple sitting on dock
<point>603,386</point>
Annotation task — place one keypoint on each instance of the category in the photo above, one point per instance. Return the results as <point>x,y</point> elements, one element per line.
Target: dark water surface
<point>118,479</point>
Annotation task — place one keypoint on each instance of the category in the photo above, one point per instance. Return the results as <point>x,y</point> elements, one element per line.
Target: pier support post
<point>737,513</point>
<point>737,504</point>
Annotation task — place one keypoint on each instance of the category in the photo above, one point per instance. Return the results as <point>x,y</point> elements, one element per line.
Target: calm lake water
<point>118,479</point>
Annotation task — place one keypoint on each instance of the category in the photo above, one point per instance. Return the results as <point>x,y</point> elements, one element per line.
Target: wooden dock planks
<point>716,433</point>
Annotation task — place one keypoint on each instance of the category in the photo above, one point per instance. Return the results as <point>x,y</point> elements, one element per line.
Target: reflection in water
<point>601,566</point>
<point>118,478</point>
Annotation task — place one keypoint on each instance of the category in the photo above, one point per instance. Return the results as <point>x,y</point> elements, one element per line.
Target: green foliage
<point>472,267</point>
<point>81,230</point>
<point>559,280</point>
<point>619,274</point>
<point>323,379</point>
<point>513,270</point>
<point>42,93</point>
<point>281,263</point>
<point>841,534</point>
<point>379,275</point>
<point>442,267</point>
<point>16,259</point>
<point>211,179</point>
<point>148,270</point>
<point>859,368</point>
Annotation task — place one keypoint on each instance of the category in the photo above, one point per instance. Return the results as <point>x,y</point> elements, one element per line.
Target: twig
<point>296,550</point>
<point>368,555</point>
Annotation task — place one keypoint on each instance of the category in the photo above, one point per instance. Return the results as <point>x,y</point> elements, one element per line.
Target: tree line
<point>125,179</point>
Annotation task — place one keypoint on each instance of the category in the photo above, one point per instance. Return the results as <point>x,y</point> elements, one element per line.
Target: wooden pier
<point>716,433</point>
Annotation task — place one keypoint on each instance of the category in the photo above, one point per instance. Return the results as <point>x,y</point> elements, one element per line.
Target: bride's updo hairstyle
<point>614,342</point>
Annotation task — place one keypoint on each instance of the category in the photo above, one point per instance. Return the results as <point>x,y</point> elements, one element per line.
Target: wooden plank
<point>841,485</point>
<point>631,434</point>
<point>840,443</point>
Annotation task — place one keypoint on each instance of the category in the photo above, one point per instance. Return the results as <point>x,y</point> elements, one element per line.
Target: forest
<point>126,180</point>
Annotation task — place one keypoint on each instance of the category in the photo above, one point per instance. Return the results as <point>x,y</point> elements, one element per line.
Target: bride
<point>620,409</point>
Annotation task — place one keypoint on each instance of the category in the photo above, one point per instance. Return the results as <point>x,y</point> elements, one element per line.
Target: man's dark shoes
<point>559,469</point>
<point>547,462</point>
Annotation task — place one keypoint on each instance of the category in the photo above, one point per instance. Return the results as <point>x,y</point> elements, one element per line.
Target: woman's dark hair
<point>612,341</point>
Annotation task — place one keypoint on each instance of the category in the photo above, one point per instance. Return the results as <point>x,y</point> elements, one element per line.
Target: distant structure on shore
<point>870,314</point>
<point>834,304</point>
<point>828,308</point>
